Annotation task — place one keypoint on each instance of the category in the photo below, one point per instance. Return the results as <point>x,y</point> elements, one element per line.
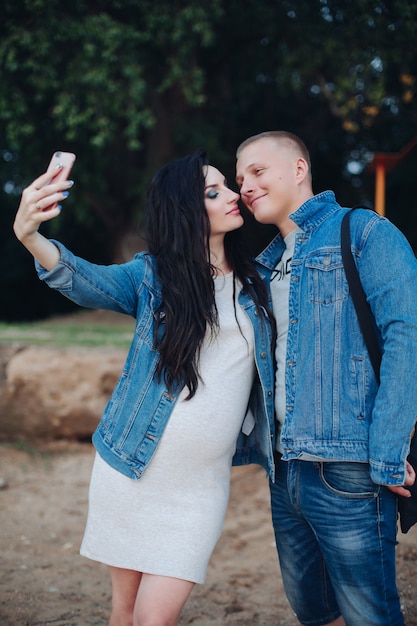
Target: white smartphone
<point>64,161</point>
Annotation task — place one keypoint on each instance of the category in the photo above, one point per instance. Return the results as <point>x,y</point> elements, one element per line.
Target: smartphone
<point>66,159</point>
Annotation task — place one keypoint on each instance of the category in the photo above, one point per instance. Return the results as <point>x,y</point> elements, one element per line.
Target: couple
<point>196,394</point>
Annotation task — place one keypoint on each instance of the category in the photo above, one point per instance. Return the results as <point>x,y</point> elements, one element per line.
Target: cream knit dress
<point>169,521</point>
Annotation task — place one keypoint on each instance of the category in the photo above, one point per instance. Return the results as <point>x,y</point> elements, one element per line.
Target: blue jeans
<point>335,531</point>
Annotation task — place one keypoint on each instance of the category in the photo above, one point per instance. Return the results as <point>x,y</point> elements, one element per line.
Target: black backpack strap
<point>363,310</point>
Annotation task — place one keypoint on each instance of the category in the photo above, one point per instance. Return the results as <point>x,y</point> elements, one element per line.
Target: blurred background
<point>130,84</point>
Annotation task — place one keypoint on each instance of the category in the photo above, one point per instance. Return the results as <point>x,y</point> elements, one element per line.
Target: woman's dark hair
<point>177,232</point>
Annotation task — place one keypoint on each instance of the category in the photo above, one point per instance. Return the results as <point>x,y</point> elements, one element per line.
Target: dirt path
<point>45,581</point>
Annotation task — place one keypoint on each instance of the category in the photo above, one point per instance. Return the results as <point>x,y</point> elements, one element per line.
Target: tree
<point>106,78</point>
<point>128,85</point>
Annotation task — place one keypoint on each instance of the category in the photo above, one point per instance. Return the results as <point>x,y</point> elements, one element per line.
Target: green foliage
<point>130,84</point>
<point>93,66</point>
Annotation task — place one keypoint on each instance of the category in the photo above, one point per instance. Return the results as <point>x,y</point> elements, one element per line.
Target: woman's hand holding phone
<point>39,203</point>
<point>59,169</point>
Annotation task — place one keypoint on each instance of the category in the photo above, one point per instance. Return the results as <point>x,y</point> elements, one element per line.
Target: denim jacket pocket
<point>326,277</point>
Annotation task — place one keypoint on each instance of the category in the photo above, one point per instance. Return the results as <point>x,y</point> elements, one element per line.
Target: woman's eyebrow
<point>216,184</point>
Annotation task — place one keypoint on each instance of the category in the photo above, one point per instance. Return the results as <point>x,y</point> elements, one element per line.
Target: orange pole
<point>380,188</point>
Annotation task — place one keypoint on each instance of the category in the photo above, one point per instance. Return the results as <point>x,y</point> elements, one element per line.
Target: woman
<point>198,378</point>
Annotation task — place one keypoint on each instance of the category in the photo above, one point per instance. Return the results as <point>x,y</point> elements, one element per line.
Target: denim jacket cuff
<point>390,475</point>
<point>61,276</point>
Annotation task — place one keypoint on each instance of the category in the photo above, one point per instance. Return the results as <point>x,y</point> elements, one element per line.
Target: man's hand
<point>410,478</point>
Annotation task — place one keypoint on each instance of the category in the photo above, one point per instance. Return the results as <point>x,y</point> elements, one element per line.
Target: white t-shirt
<point>280,286</point>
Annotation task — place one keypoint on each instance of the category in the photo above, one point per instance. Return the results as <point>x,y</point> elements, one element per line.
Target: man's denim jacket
<point>334,407</point>
<point>135,417</point>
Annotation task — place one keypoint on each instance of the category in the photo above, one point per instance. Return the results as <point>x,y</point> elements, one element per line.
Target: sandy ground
<point>43,504</point>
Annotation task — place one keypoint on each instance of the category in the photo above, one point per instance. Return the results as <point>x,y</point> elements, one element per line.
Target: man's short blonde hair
<point>279,136</point>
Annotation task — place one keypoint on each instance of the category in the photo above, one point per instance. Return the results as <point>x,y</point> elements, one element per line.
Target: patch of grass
<point>67,334</point>
<point>22,446</point>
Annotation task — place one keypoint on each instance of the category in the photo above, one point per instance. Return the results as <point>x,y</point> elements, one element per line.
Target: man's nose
<point>246,188</point>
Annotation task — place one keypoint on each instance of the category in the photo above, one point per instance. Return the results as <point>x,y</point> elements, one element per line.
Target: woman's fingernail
<point>65,194</point>
<point>59,207</point>
<point>70,183</point>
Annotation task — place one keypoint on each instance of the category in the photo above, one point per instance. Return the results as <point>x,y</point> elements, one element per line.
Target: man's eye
<point>212,194</point>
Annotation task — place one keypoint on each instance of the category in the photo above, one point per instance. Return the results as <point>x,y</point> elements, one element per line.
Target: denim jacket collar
<point>308,216</point>
<point>315,210</point>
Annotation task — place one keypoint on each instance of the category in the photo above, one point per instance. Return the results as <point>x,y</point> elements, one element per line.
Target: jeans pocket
<point>349,480</point>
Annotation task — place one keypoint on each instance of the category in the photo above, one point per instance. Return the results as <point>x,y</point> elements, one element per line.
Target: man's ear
<point>302,169</point>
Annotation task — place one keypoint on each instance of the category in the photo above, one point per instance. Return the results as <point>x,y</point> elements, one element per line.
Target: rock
<point>53,393</point>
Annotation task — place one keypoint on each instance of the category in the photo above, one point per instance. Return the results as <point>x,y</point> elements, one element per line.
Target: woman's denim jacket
<point>334,407</point>
<point>135,417</point>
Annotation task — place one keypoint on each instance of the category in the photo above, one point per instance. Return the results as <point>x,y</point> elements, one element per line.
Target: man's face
<point>266,172</point>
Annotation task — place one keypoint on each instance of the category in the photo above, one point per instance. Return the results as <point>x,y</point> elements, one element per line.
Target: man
<point>341,454</point>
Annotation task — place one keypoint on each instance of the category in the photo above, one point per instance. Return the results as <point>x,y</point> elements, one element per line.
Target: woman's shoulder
<point>143,264</point>
<point>146,260</point>
<point>144,257</point>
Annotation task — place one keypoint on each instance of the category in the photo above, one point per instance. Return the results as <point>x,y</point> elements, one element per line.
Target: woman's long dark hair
<point>177,232</point>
